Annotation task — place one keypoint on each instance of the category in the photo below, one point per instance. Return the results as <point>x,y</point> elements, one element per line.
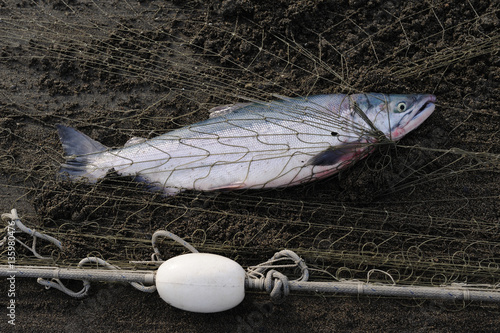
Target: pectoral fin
<point>334,155</point>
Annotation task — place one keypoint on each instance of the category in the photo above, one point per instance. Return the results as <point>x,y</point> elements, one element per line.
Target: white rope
<point>32,232</point>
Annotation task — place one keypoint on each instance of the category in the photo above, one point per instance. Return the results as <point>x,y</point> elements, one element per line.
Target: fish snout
<point>423,109</point>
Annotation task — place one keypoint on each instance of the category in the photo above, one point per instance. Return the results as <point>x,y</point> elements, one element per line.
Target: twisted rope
<point>273,282</point>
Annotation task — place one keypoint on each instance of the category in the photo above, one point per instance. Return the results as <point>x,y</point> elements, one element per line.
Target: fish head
<point>397,115</point>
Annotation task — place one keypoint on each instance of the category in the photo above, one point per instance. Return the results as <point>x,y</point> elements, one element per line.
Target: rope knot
<point>276,285</point>
<point>265,276</point>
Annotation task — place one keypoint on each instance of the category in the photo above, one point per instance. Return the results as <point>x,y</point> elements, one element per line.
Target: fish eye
<point>401,107</point>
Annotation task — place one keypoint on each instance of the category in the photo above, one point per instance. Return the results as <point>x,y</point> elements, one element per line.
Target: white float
<point>201,282</point>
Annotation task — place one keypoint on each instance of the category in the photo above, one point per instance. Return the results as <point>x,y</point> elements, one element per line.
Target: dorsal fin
<point>133,141</point>
<point>222,110</point>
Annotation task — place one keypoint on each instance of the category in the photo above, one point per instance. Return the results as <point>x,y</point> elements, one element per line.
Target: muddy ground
<point>114,89</point>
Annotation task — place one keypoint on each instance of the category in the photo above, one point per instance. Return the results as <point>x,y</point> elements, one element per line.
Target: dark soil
<point>121,72</point>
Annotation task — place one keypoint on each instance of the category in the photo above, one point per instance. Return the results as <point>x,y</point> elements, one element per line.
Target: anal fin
<point>157,187</point>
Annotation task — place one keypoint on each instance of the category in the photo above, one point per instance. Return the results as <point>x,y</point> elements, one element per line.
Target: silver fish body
<point>254,145</point>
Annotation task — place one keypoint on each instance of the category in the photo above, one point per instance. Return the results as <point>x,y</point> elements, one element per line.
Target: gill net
<point>423,211</point>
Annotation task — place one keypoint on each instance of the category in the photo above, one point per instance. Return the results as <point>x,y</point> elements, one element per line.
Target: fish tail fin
<point>81,153</point>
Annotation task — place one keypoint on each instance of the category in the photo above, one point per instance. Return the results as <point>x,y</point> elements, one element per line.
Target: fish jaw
<point>411,121</point>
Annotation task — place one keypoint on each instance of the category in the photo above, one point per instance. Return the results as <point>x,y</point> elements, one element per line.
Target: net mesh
<point>425,209</point>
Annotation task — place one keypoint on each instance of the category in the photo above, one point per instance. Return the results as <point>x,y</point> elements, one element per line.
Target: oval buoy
<point>201,282</point>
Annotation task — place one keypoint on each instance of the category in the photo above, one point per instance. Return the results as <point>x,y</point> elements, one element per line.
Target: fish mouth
<point>426,107</point>
<point>423,110</point>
